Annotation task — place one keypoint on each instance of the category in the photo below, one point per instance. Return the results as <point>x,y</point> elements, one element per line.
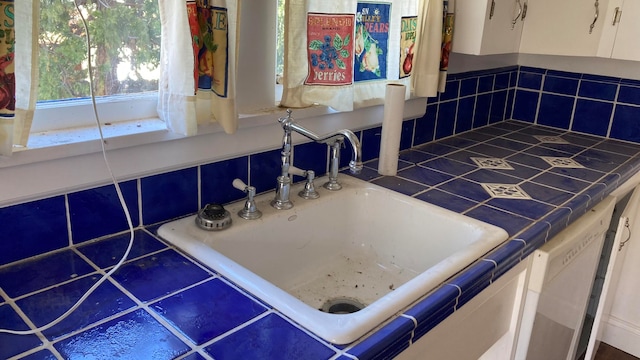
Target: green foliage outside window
<point>125,47</point>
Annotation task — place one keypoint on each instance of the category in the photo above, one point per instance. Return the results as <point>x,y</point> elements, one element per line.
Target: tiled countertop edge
<point>394,337</point>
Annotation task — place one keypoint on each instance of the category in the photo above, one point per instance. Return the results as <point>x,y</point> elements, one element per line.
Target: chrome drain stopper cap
<point>213,217</point>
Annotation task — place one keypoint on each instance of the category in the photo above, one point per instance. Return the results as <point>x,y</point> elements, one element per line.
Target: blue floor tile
<point>582,139</point>
<point>530,209</point>
<point>519,171</point>
<point>464,156</point>
<point>424,175</point>
<point>561,182</point>
<point>542,150</point>
<point>400,185</point>
<point>159,274</point>
<point>529,160</point>
<point>10,344</point>
<point>465,188</point>
<point>618,147</point>
<point>207,310</point>
<point>46,306</point>
<point>40,273</point>
<point>600,160</point>
<point>373,164</point>
<point>41,355</point>
<point>436,148</point>
<point>505,143</point>
<point>491,151</point>
<point>134,336</point>
<point>458,142</point>
<point>578,173</point>
<point>546,194</point>
<point>367,174</point>
<point>475,136</point>
<point>269,338</point>
<point>415,157</point>
<point>106,253</point>
<point>446,200</point>
<point>449,166</point>
<point>490,176</point>
<point>194,356</point>
<point>510,222</point>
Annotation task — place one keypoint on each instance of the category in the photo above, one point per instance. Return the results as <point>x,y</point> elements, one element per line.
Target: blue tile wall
<point>584,103</point>
<point>591,104</point>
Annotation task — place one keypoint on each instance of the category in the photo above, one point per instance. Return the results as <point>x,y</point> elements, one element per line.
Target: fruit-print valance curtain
<point>198,64</point>
<point>18,72</point>
<point>343,53</point>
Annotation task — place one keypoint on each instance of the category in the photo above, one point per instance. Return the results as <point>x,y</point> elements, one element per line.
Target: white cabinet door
<point>621,325</point>
<point>614,268</point>
<point>483,328</point>
<point>486,27</point>
<point>555,27</point>
<point>626,46</point>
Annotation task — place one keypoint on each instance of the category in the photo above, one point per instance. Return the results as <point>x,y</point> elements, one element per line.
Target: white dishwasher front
<point>561,277</point>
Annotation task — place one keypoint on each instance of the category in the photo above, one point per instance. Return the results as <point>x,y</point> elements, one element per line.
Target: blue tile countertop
<point>530,180</point>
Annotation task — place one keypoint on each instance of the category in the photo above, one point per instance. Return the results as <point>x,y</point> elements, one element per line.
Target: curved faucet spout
<point>355,165</point>
<point>334,140</point>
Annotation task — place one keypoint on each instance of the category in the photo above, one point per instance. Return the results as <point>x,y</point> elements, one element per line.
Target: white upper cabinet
<point>567,27</point>
<point>621,31</point>
<point>497,32</point>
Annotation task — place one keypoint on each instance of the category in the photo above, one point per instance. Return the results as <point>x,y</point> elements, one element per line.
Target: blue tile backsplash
<point>598,105</point>
<point>161,302</point>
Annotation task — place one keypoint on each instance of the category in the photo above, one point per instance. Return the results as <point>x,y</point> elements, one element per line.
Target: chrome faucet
<point>334,140</point>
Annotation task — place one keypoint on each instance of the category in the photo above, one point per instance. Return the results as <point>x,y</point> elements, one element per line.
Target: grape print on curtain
<point>329,49</point>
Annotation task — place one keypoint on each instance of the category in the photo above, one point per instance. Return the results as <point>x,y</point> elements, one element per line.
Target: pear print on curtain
<point>7,77</point>
<point>372,41</point>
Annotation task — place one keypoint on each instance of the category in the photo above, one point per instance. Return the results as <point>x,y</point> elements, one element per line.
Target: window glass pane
<point>125,48</point>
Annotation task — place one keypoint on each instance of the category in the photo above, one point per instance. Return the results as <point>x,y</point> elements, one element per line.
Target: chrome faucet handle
<point>249,211</point>
<point>286,119</point>
<point>309,190</point>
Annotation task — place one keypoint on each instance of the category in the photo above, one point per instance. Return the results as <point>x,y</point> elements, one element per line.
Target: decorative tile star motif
<point>551,139</point>
<point>562,162</point>
<point>491,163</point>
<point>505,191</point>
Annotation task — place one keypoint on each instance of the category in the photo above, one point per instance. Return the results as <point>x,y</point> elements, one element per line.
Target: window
<point>125,52</point>
<point>280,41</point>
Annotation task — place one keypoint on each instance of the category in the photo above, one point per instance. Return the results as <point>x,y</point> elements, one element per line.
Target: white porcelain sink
<point>364,244</point>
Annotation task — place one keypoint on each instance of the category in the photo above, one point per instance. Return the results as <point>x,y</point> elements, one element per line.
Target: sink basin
<point>363,248</point>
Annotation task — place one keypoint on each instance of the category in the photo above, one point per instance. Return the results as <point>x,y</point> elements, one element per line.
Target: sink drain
<point>342,305</point>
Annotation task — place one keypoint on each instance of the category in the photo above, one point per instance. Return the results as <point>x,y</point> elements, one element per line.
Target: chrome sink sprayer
<point>334,140</point>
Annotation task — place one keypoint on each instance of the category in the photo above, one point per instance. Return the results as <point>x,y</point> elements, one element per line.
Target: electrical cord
<point>118,191</point>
